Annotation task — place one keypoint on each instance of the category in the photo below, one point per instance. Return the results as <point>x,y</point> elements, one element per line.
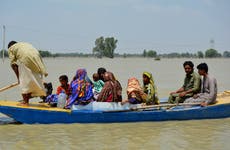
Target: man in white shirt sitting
<point>208,89</point>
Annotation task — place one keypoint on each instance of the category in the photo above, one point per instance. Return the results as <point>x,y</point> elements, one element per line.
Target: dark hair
<point>203,66</point>
<point>188,63</point>
<point>63,77</point>
<point>101,70</point>
<point>11,43</point>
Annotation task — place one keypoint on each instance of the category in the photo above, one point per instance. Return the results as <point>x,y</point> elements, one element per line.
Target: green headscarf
<point>149,75</point>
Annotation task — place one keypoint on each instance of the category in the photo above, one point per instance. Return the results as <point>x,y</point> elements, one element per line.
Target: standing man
<point>29,68</point>
<point>208,90</point>
<point>190,87</point>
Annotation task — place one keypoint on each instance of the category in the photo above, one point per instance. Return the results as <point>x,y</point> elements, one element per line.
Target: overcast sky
<point>161,25</point>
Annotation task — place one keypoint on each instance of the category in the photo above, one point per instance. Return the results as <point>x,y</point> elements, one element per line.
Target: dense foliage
<point>211,53</point>
<point>149,53</point>
<point>105,47</point>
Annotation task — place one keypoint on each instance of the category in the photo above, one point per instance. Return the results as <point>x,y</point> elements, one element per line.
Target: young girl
<point>150,89</point>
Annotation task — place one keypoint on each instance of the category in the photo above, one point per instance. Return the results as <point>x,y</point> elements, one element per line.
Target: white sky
<point>161,25</point>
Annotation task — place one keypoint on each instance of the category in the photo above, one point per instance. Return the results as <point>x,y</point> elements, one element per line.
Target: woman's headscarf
<point>80,88</point>
<point>112,87</point>
<point>149,75</point>
<point>133,85</point>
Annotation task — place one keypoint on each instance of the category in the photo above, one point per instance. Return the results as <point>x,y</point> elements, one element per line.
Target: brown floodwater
<point>168,75</point>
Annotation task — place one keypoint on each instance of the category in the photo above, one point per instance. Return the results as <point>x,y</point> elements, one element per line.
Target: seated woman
<point>81,90</point>
<point>111,91</point>
<point>64,88</point>
<point>150,89</point>
<point>135,93</point>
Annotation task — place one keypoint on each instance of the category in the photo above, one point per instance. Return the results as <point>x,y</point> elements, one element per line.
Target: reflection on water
<point>7,120</point>
<point>168,75</point>
<point>198,134</point>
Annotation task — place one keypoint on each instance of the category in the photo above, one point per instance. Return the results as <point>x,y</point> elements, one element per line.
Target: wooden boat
<point>44,114</point>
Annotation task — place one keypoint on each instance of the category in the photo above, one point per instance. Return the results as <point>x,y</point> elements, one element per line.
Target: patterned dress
<point>81,90</point>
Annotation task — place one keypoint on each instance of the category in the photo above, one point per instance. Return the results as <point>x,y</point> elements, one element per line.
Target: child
<point>49,90</point>
<point>64,88</point>
<point>97,85</point>
<point>150,89</point>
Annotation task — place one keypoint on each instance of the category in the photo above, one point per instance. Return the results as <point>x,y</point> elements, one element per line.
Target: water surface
<point>168,75</point>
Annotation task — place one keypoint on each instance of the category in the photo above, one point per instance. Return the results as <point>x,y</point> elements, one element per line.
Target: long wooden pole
<point>9,86</point>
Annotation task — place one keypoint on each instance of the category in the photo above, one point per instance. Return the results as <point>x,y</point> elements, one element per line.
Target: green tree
<point>200,54</point>
<point>211,53</point>
<point>105,47</point>
<point>99,47</point>
<point>226,54</point>
<point>152,53</point>
<point>110,45</point>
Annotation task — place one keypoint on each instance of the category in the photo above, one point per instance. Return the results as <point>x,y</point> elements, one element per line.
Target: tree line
<point>210,53</point>
<point>105,47</point>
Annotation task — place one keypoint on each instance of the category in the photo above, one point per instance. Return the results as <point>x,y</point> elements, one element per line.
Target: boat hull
<point>31,116</point>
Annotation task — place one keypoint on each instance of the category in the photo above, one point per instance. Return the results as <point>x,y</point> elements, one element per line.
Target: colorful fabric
<point>134,101</point>
<point>151,90</point>
<point>98,85</point>
<point>81,90</point>
<point>135,93</point>
<point>61,89</point>
<point>112,90</point>
<point>52,99</point>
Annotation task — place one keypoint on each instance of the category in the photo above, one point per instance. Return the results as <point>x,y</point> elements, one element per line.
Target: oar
<point>9,86</point>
